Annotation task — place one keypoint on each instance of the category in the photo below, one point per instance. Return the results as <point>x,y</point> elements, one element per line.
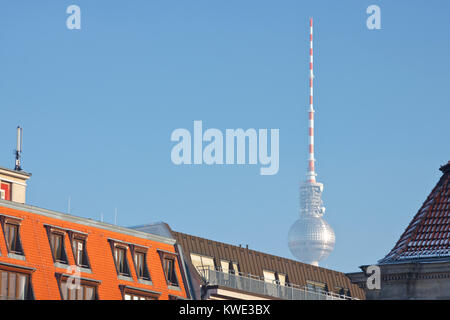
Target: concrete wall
<point>408,281</point>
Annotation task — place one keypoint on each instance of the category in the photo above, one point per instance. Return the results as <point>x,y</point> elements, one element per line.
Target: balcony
<point>256,285</point>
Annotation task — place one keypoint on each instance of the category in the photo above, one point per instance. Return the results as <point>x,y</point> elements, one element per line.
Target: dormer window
<point>56,238</point>
<point>79,251</point>
<point>281,279</point>
<point>11,227</point>
<point>140,264</point>
<point>315,286</point>
<point>12,238</point>
<point>168,260</point>
<point>169,271</point>
<point>202,264</point>
<point>57,241</point>
<point>120,254</point>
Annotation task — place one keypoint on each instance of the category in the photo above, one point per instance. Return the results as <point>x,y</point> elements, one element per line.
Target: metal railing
<point>254,284</point>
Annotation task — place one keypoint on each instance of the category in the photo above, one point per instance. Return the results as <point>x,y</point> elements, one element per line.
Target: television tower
<point>310,238</point>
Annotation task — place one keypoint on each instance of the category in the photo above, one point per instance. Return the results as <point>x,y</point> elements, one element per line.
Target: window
<point>139,260</point>
<point>120,256</point>
<point>316,286</point>
<point>283,282</point>
<point>169,271</point>
<point>236,278</point>
<point>57,245</point>
<point>132,293</point>
<point>225,265</point>
<point>269,276</point>
<point>202,263</point>
<point>14,286</point>
<point>79,252</point>
<point>225,268</point>
<point>5,190</point>
<point>270,282</point>
<point>235,268</point>
<point>281,279</point>
<point>83,292</point>
<point>141,265</point>
<point>132,296</point>
<point>12,235</point>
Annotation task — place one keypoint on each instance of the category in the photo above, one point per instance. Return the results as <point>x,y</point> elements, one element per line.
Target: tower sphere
<point>311,239</point>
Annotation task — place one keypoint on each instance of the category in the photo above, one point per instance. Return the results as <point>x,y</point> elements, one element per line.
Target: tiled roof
<point>428,234</point>
<point>37,254</point>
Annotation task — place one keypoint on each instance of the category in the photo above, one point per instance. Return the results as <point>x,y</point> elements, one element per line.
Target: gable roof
<point>427,237</point>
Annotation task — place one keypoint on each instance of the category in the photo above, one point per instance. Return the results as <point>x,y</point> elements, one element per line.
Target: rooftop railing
<point>254,284</point>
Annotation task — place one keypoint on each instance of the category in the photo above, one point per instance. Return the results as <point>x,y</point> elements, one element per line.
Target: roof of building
<point>15,171</point>
<point>88,222</point>
<point>427,237</point>
<point>254,262</point>
<point>36,254</point>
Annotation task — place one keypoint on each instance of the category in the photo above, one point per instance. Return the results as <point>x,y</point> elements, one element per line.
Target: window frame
<point>236,270</point>
<point>122,268</point>
<point>138,250</point>
<point>169,256</point>
<point>116,245</point>
<point>203,267</point>
<point>55,231</point>
<point>79,237</point>
<point>16,223</point>
<point>84,284</point>
<point>285,280</point>
<point>225,262</point>
<point>272,279</point>
<point>137,292</point>
<point>18,270</point>
<point>62,257</point>
<point>316,286</point>
<point>8,195</point>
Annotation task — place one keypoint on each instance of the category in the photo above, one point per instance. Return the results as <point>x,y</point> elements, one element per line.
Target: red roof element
<point>428,234</point>
<point>37,255</point>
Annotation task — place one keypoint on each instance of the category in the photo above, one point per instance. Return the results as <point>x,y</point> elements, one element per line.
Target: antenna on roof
<point>101,216</point>
<point>115,216</point>
<point>68,205</point>
<point>19,148</point>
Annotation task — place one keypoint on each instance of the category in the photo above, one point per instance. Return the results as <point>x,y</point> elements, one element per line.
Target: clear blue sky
<point>98,106</point>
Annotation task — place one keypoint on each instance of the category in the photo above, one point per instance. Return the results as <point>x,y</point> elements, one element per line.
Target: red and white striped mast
<point>311,175</point>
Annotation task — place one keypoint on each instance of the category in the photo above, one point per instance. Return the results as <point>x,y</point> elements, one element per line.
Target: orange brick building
<point>48,255</point>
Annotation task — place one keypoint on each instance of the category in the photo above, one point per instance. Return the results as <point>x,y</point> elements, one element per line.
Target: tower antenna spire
<point>311,175</point>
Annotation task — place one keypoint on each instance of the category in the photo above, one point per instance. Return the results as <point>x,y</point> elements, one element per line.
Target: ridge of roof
<point>86,221</point>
